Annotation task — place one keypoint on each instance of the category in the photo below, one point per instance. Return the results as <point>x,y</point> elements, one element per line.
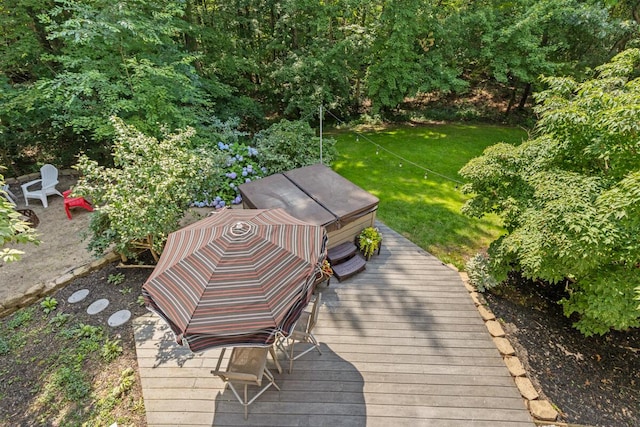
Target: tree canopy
<point>570,196</point>
<point>67,66</point>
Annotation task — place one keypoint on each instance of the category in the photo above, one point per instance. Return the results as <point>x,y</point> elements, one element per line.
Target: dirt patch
<point>592,381</point>
<point>61,248</point>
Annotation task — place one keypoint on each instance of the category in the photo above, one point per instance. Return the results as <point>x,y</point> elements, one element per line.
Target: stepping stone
<point>97,306</point>
<point>118,318</point>
<point>78,296</point>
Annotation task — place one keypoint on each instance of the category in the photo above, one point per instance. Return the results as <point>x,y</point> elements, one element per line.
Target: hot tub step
<point>341,252</point>
<point>349,267</point>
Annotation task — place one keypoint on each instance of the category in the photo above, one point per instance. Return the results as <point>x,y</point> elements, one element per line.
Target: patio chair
<point>247,366</point>
<point>8,194</point>
<point>302,332</point>
<point>75,202</point>
<point>48,181</point>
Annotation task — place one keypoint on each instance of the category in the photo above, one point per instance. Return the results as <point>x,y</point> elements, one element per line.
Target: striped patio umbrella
<point>236,278</point>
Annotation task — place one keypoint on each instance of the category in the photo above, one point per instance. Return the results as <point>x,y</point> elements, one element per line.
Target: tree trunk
<point>512,100</point>
<point>525,96</point>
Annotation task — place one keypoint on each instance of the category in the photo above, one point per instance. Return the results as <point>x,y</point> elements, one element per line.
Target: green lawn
<point>424,209</point>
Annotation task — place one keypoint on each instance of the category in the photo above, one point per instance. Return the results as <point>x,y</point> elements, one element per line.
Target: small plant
<point>59,319</point>
<point>49,304</point>
<point>125,291</point>
<point>72,383</point>
<point>478,270</point>
<point>87,331</point>
<point>22,317</point>
<point>127,380</point>
<point>140,300</point>
<point>116,279</point>
<point>111,349</point>
<point>4,347</point>
<point>369,240</point>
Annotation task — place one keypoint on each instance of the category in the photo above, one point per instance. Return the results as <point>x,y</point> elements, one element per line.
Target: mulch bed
<point>592,380</point>
<point>23,370</point>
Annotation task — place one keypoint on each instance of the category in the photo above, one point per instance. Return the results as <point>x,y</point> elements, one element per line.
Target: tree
<point>12,228</point>
<point>142,199</point>
<point>514,42</point>
<point>570,196</point>
<point>124,58</point>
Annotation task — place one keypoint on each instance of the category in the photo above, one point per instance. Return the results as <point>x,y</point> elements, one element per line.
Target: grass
<point>420,193</point>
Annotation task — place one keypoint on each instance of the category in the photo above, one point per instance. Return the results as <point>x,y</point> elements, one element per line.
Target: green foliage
<point>478,270</point>
<point>21,318</point>
<point>71,382</point>
<point>12,228</point>
<point>96,60</point>
<point>142,199</point>
<point>289,145</point>
<point>604,300</point>
<point>127,380</point>
<point>4,347</point>
<point>60,319</point>
<point>111,349</point>
<point>369,240</point>
<point>91,332</point>
<point>49,304</point>
<point>67,66</point>
<point>225,141</point>
<point>116,279</point>
<point>570,197</point>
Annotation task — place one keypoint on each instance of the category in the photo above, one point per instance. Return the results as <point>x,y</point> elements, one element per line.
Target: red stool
<point>75,202</point>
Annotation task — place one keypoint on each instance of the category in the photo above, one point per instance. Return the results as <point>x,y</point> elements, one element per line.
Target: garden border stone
<point>541,410</point>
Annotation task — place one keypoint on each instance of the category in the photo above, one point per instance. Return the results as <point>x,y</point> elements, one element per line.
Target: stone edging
<point>36,175</point>
<point>541,410</point>
<point>41,290</point>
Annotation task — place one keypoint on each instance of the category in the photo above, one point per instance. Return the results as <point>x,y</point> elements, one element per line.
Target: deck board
<point>402,345</point>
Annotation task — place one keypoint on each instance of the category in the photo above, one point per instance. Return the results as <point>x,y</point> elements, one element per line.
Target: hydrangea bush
<point>241,166</point>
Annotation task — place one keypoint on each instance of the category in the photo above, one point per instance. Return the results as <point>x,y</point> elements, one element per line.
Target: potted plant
<point>327,271</point>
<point>369,240</point>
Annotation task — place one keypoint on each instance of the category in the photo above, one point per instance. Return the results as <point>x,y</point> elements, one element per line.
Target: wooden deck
<point>402,345</point>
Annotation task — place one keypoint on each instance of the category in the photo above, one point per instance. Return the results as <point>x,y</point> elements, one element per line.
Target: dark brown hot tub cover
<point>315,194</point>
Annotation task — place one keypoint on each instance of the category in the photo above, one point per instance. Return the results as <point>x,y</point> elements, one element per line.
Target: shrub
<point>111,349</point>
<point>478,270</point>
<point>241,166</point>
<point>570,196</point>
<point>142,199</point>
<point>288,145</point>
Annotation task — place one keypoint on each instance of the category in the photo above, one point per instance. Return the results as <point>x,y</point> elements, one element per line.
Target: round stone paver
<point>98,306</point>
<point>78,296</point>
<point>118,318</point>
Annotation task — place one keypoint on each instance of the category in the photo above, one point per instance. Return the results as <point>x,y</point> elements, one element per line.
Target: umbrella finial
<point>240,228</point>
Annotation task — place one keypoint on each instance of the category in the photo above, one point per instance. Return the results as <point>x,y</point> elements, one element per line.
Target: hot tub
<point>317,195</point>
